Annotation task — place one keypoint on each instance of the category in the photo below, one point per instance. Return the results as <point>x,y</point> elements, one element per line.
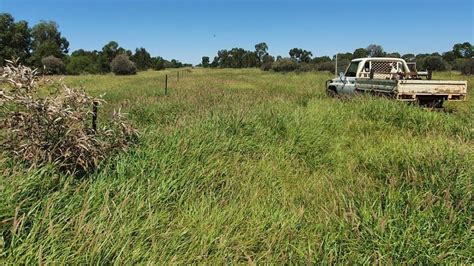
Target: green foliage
<point>267,62</point>
<point>321,59</point>
<point>261,51</point>
<point>47,41</point>
<point>463,50</point>
<point>122,65</point>
<point>375,50</point>
<point>142,59</point>
<point>235,58</point>
<point>409,57</point>
<point>285,65</point>
<point>205,61</point>
<point>53,65</point>
<point>466,66</point>
<point>326,66</point>
<point>434,63</point>
<point>300,55</point>
<point>15,39</point>
<point>157,63</point>
<point>84,62</point>
<point>360,53</point>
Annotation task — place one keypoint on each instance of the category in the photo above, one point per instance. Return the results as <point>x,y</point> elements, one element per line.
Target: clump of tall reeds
<point>55,129</point>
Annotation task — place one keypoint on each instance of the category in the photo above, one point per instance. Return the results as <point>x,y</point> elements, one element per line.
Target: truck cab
<point>361,68</point>
<point>393,78</point>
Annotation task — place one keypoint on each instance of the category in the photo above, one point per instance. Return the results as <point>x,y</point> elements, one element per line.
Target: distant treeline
<point>43,47</point>
<point>459,58</point>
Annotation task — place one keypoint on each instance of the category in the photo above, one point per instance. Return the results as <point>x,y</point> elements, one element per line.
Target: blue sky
<point>187,30</point>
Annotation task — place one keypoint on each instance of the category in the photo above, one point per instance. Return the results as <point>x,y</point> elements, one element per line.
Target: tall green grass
<point>254,167</point>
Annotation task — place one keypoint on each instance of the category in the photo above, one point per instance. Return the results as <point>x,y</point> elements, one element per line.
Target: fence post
<point>94,116</point>
<point>177,77</point>
<point>166,84</point>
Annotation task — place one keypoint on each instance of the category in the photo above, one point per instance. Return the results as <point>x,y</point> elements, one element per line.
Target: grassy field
<point>254,167</point>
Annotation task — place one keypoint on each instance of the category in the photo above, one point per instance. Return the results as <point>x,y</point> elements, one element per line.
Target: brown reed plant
<point>55,129</point>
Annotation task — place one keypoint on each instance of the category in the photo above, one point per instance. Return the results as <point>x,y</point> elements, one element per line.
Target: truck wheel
<point>331,92</point>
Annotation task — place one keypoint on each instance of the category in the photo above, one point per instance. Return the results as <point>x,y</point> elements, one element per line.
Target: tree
<point>467,68</point>
<point>47,40</point>
<point>157,63</point>
<point>434,63</point>
<point>344,56</point>
<point>267,62</point>
<point>261,51</point>
<point>326,66</point>
<point>82,62</point>
<point>359,53</point>
<point>205,61</point>
<point>300,55</point>
<point>142,58</point>
<point>53,65</point>
<point>321,59</point>
<point>409,57</point>
<point>122,65</point>
<point>285,65</point>
<point>463,50</point>
<point>249,59</point>
<point>375,50</point>
<point>395,55</point>
<point>449,56</point>
<point>108,53</point>
<point>15,39</point>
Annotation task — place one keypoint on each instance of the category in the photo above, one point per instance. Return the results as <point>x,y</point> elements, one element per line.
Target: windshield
<point>352,69</point>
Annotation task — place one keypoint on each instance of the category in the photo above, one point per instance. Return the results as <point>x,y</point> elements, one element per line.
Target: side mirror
<point>342,77</point>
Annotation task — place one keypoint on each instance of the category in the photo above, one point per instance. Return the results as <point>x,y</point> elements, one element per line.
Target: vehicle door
<point>348,79</point>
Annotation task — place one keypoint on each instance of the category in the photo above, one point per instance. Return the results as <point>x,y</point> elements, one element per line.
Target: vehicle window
<point>367,66</point>
<point>352,69</point>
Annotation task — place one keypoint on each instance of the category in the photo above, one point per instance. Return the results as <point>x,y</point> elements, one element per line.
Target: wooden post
<point>166,84</point>
<point>177,77</point>
<point>94,116</point>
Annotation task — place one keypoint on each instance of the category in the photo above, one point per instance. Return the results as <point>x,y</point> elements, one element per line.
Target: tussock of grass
<point>246,166</point>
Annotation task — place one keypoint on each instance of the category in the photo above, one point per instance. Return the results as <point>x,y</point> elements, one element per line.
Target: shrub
<point>434,63</point>
<point>267,62</point>
<point>82,65</point>
<point>55,129</point>
<point>284,65</point>
<point>122,65</point>
<point>466,66</point>
<point>326,66</point>
<point>305,67</point>
<point>53,65</point>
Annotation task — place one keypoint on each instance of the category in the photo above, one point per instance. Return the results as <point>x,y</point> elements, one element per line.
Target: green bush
<point>81,65</point>
<point>435,63</point>
<point>466,66</point>
<point>122,65</point>
<point>326,66</point>
<point>267,62</point>
<point>284,65</point>
<point>305,67</point>
<point>53,65</point>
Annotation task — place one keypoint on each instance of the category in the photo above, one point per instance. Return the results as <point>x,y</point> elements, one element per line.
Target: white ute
<point>392,77</point>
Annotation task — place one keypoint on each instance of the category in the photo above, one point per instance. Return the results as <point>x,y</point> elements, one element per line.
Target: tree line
<point>43,46</point>
<point>459,58</point>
